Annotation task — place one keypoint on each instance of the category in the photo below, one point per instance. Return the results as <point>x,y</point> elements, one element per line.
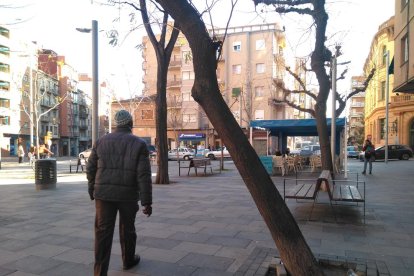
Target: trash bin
<point>45,174</point>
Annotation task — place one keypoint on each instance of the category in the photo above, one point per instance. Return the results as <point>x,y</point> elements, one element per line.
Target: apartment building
<point>302,99</point>
<point>403,98</point>
<point>251,64</point>
<point>356,113</point>
<point>404,47</point>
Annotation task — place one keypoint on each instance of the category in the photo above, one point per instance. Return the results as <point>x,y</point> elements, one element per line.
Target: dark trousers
<point>104,231</point>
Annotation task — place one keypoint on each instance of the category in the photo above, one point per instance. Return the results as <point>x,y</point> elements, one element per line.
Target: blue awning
<point>192,137</point>
<point>294,127</point>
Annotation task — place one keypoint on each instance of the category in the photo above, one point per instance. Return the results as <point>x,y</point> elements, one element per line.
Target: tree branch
<point>295,106</point>
<point>342,102</point>
<point>301,83</point>
<point>163,30</point>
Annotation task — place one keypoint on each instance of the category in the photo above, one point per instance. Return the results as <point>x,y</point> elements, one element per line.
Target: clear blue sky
<point>52,23</point>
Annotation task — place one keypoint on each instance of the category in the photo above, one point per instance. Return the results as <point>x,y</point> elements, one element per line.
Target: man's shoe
<point>370,173</point>
<point>363,172</point>
<point>133,263</point>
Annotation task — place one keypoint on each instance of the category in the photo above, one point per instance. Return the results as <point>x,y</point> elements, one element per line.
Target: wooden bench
<point>338,190</point>
<point>346,191</point>
<point>203,163</point>
<point>81,162</point>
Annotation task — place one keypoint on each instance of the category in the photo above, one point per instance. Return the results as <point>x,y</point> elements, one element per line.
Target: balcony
<point>83,114</point>
<point>273,103</point>
<point>401,99</point>
<point>358,104</point>
<point>357,114</point>
<point>175,64</point>
<point>174,84</point>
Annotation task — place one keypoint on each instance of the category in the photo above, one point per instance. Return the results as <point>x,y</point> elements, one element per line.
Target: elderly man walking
<point>119,175</point>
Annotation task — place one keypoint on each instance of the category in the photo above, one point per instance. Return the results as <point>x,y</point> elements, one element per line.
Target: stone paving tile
<point>163,255</point>
<point>80,243</point>
<point>210,272</point>
<point>158,268</point>
<point>20,273</point>
<point>77,256</point>
<point>157,242</point>
<point>5,271</point>
<point>17,245</point>
<point>206,261</point>
<point>190,237</point>
<point>45,250</point>
<point>70,269</point>
<point>229,241</point>
<point>10,256</point>
<point>197,248</point>
<point>33,264</point>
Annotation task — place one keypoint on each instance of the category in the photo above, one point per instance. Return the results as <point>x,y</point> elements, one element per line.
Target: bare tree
<point>320,63</point>
<point>292,246</point>
<point>163,51</point>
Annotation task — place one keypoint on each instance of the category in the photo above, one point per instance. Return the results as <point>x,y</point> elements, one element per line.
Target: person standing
<point>20,153</point>
<point>119,175</point>
<point>369,150</point>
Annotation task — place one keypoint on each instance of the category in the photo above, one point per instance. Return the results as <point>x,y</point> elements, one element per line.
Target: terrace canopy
<point>296,127</point>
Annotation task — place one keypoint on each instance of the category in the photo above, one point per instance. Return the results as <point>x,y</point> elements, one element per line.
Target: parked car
<point>401,152</point>
<point>352,152</point>
<point>183,153</point>
<point>214,154</point>
<point>85,154</point>
<point>310,150</point>
<point>152,150</point>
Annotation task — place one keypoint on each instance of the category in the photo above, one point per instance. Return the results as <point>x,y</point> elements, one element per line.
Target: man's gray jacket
<point>118,168</point>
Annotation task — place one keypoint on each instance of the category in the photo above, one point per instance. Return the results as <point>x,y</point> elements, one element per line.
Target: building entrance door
<point>411,130</point>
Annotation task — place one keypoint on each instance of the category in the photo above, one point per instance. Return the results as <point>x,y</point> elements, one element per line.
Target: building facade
<point>401,106</point>
<point>356,113</point>
<point>251,64</point>
<point>404,46</point>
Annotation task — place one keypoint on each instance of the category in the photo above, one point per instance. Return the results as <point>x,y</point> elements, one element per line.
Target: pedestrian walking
<point>369,157</point>
<point>20,153</point>
<point>122,178</point>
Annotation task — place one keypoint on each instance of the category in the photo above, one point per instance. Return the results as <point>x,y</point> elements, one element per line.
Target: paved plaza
<point>204,225</point>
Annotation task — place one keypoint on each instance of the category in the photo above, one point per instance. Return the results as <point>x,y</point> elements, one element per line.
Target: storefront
<point>192,140</point>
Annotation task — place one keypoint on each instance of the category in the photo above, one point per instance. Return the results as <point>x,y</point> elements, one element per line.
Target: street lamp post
<point>95,86</point>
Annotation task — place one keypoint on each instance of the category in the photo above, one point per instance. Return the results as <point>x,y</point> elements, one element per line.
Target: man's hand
<point>90,192</point>
<point>147,210</point>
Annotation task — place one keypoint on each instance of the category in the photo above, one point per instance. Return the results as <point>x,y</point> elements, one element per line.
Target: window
<point>189,118</point>
<point>188,75</point>
<point>147,114</point>
<point>236,114</point>
<point>258,91</point>
<point>382,128</point>
<point>260,44</point>
<point>186,96</point>
<point>259,115</point>
<point>237,46</point>
<point>260,68</point>
<point>235,92</point>
<point>280,50</point>
<point>384,55</point>
<point>381,95</point>
<point>404,49</point>
<point>4,120</point>
<point>237,69</point>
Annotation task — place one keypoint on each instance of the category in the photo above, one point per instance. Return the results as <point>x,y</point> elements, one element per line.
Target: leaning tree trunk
<point>161,122</point>
<point>294,250</point>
